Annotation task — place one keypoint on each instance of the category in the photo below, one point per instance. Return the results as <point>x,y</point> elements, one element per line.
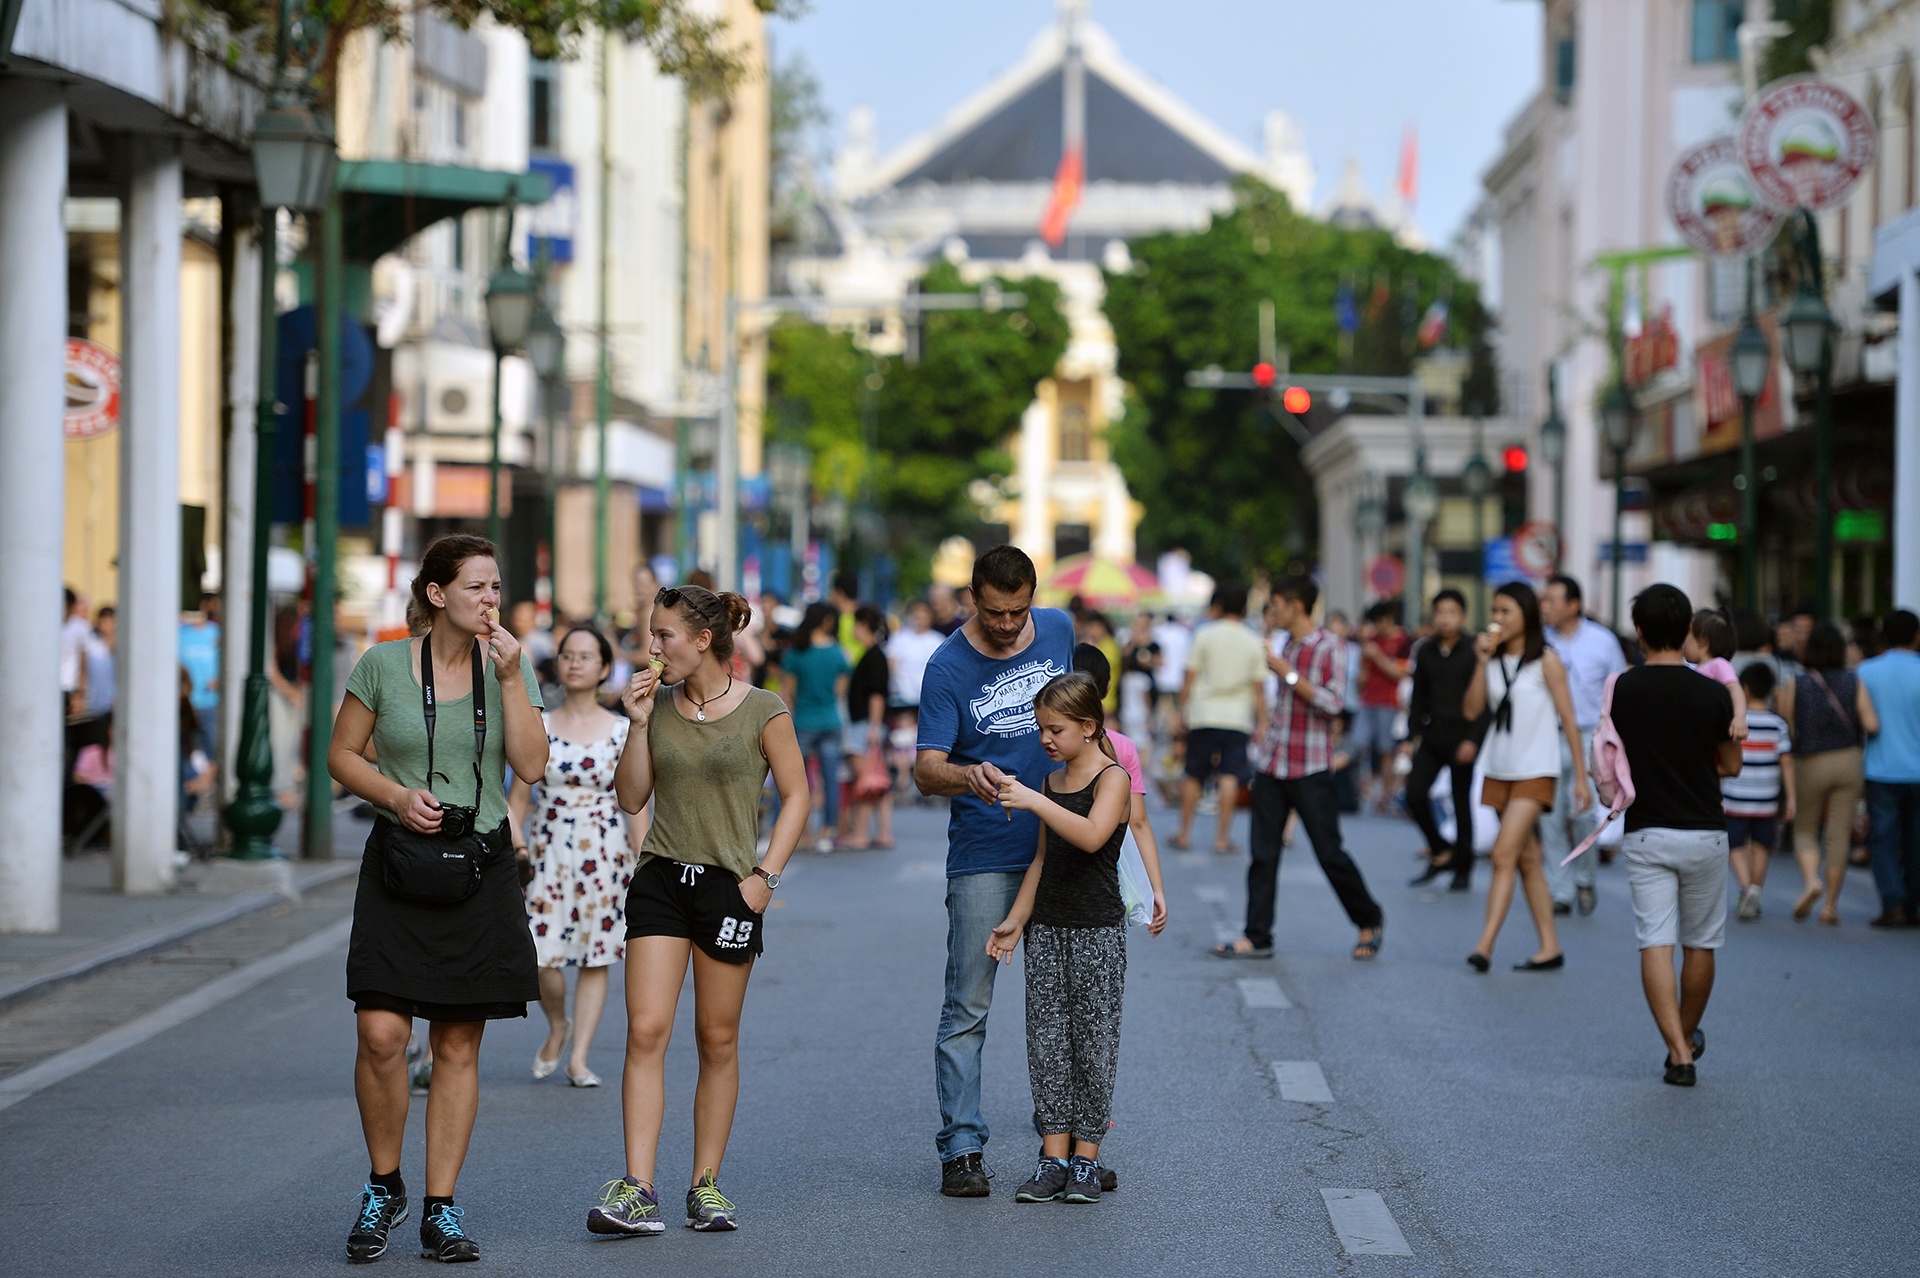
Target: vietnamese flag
<point>1068,182</point>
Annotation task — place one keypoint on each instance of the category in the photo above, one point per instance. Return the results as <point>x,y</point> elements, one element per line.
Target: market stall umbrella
<point>1100,583</point>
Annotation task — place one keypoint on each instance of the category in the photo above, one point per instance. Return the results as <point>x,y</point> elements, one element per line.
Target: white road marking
<point>1365,1226</point>
<point>1262,991</point>
<point>1302,1081</point>
<point>75,1060</point>
<point>1212,895</point>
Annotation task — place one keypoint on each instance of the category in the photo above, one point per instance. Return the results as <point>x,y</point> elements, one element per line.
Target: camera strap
<point>429,709</point>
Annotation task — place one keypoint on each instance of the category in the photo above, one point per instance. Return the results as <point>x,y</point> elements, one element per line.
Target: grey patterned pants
<point>1075,979</point>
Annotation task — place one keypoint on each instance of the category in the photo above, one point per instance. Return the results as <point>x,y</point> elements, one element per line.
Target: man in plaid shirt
<point>1293,773</point>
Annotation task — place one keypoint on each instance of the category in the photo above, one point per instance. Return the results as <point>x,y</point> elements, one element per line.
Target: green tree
<point>1811,22</point>
<point>1215,472</point>
<point>938,424</point>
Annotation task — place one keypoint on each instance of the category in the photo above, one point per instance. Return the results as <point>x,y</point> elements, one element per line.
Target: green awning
<point>386,202</point>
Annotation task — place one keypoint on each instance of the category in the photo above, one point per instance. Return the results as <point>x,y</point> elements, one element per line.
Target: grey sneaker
<point>1083,1181</point>
<point>1749,904</point>
<point>707,1208</point>
<point>626,1207</point>
<point>1048,1183</point>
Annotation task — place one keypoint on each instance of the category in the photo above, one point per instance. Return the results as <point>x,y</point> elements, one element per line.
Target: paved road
<point>1510,1124</point>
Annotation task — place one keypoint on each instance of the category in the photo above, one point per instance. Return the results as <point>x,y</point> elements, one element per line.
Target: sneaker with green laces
<point>707,1208</point>
<point>1048,1183</point>
<point>1083,1181</point>
<point>627,1206</point>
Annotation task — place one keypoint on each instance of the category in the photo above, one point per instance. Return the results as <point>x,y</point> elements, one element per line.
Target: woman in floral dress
<point>579,850</point>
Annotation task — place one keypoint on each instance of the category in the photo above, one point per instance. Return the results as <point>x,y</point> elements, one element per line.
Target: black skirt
<point>475,958</point>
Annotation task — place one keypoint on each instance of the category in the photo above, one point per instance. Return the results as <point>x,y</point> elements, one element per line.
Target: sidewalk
<point>99,926</point>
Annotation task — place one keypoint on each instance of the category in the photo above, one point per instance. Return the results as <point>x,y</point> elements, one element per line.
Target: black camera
<point>457,822</point>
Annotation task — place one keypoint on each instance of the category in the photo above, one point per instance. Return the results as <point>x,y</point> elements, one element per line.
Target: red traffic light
<point>1515,458</point>
<point>1296,400</point>
<point>1263,375</point>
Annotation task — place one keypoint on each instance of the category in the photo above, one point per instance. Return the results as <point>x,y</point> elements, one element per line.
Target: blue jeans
<point>1893,810</point>
<point>824,744</point>
<point>1561,828</point>
<point>976,904</point>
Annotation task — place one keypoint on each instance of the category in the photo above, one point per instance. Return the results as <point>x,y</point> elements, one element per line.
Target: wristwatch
<point>773,880</point>
<point>1293,677</point>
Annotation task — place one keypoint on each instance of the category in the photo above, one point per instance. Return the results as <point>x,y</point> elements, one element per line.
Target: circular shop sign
<point>93,389</point>
<point>1806,142</point>
<point>1714,203</point>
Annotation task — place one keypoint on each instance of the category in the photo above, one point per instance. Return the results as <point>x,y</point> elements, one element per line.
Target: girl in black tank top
<point>1070,912</point>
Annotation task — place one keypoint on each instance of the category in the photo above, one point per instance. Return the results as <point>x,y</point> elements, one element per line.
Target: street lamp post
<point>1616,423</point>
<point>1477,477</point>
<point>510,302</point>
<point>1369,520</point>
<point>293,156</point>
<point>547,349</point>
<point>1553,448</point>
<point>1420,499</point>
<point>1750,357</point>
<point>1808,326</point>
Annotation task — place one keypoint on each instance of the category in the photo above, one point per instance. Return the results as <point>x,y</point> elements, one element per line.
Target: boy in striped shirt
<point>1761,797</point>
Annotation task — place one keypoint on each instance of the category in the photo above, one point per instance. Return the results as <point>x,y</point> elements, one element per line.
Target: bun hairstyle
<point>438,567</point>
<point>722,615</point>
<point>1076,696</point>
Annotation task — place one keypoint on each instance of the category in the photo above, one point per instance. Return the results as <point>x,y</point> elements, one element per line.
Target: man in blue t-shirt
<point>976,726</point>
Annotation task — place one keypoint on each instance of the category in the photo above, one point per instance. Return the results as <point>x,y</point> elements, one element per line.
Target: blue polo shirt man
<point>977,725</point>
<point>1892,682</point>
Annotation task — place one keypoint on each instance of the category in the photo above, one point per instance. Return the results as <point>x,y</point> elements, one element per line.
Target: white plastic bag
<point>1136,889</point>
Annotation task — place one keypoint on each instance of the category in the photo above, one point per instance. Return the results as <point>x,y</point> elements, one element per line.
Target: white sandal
<point>588,1079</point>
<point>543,1068</point>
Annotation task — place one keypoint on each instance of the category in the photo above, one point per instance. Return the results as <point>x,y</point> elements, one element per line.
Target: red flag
<point>1068,182</point>
<point>1409,168</point>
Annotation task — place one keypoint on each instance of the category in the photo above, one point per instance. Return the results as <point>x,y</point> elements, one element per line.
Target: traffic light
<point>1263,375</point>
<point>1515,458</point>
<point>1297,400</point>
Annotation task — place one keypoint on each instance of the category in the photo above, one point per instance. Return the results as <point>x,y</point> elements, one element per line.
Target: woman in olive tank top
<point>702,752</point>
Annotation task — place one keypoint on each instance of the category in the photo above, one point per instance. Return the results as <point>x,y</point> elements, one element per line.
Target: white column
<point>236,543</point>
<point>1906,449</point>
<point>33,327</point>
<point>146,714</point>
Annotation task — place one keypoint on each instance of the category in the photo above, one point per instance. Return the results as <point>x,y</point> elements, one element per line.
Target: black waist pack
<point>443,868</point>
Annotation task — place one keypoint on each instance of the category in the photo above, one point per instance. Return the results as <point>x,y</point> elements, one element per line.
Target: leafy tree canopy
<point>938,425</point>
<point>1811,21</point>
<point>1216,473</point>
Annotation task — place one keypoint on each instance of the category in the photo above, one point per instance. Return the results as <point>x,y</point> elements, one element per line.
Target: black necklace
<point>700,707</point>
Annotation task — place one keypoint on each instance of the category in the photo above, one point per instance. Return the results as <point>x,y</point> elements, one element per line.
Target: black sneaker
<point>380,1211</point>
<point>707,1208</point>
<point>1109,1179</point>
<point>626,1207</point>
<point>1048,1183</point>
<point>1587,898</point>
<point>1083,1181</point>
<point>442,1238</point>
<point>964,1176</point>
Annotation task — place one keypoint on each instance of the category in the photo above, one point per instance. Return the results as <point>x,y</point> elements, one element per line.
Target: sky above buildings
<point>1352,73</point>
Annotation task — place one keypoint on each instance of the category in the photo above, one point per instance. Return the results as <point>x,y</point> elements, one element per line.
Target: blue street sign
<point>1500,564</point>
<point>1634,552</point>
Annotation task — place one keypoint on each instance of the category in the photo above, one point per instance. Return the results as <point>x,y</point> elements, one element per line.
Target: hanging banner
<point>1714,204</point>
<point>1805,142</point>
<point>93,390</point>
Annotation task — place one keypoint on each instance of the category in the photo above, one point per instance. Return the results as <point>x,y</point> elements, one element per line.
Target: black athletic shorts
<point>701,903</point>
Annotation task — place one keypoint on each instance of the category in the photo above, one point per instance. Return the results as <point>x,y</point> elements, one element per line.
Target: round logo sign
<point>93,389</point>
<point>1806,142</point>
<point>1387,575</point>
<point>1714,204</point>
<point>1536,548</point>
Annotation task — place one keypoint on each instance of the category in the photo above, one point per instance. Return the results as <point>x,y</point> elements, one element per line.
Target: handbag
<point>443,868</point>
<point>873,780</point>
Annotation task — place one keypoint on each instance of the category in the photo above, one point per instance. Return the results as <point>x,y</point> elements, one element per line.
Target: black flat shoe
<point>1460,885</point>
<point>1479,962</point>
<point>1699,1044</point>
<point>1433,871</point>
<point>1553,964</point>
<point>1678,1075</point>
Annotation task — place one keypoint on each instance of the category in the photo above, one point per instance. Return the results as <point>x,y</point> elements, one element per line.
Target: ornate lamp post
<point>510,299</point>
<point>1553,449</point>
<point>1616,426</point>
<point>1750,358</point>
<point>547,349</point>
<point>1477,478</point>
<point>1808,326</point>
<point>293,160</point>
<point>1420,499</point>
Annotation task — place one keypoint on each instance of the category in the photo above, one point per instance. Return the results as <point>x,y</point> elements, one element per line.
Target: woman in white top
<point>1523,682</point>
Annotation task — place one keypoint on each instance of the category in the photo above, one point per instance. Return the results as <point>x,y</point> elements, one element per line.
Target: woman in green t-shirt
<point>702,753</point>
<point>456,966</point>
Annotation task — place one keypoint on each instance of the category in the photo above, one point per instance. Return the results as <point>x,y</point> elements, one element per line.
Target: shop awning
<point>386,202</point>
